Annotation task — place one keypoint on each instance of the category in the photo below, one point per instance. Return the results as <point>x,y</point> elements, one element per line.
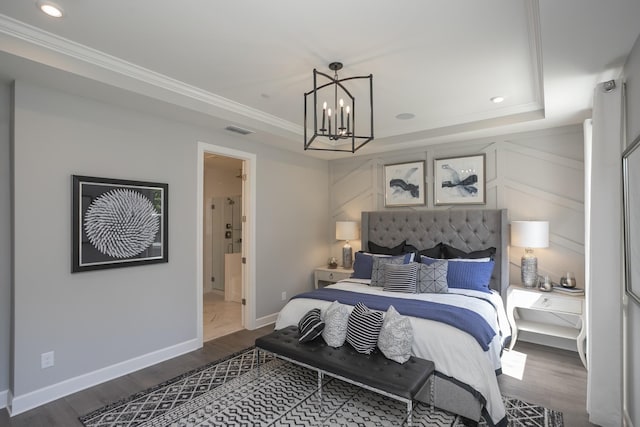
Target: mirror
<point>631,204</point>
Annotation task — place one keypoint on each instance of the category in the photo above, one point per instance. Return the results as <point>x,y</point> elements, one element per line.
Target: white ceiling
<point>249,62</point>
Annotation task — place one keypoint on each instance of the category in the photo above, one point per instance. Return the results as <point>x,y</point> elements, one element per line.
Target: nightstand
<point>330,275</point>
<point>531,298</point>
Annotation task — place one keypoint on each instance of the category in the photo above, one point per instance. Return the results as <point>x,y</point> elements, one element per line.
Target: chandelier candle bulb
<point>329,115</point>
<point>341,113</point>
<point>348,110</point>
<point>324,112</point>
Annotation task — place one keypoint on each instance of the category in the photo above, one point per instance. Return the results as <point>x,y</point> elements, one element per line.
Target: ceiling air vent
<point>239,130</point>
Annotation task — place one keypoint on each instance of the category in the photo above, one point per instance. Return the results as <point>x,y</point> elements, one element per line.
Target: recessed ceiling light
<point>497,99</point>
<point>405,116</point>
<point>50,9</point>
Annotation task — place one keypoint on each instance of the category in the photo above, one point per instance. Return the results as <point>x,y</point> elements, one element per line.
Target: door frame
<point>248,232</point>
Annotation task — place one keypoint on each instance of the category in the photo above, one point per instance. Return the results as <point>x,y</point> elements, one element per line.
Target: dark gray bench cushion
<point>375,370</point>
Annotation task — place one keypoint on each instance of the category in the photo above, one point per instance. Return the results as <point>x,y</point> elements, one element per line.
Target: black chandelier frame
<point>339,131</point>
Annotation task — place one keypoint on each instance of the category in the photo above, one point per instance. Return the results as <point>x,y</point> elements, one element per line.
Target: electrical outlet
<point>284,296</point>
<point>47,360</point>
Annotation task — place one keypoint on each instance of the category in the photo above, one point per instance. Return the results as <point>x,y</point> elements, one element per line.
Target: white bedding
<point>454,352</point>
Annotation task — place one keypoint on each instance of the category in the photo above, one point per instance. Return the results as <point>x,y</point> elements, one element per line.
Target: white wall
<point>5,240</point>
<point>632,318</point>
<point>535,175</point>
<point>98,321</point>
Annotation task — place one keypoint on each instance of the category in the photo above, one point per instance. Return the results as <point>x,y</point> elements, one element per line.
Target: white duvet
<point>454,352</point>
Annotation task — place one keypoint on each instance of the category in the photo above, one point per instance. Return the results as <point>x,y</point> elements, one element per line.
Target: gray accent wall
<point>534,175</point>
<point>5,236</point>
<point>94,320</point>
<point>631,318</point>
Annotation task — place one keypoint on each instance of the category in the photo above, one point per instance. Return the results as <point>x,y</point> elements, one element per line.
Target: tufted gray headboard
<point>468,230</point>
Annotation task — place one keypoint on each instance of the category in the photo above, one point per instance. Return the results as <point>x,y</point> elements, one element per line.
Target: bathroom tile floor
<point>220,317</point>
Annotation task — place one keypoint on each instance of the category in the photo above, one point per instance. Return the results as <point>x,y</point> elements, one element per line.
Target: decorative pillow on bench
<point>336,318</point>
<point>363,328</point>
<point>396,336</point>
<point>310,326</point>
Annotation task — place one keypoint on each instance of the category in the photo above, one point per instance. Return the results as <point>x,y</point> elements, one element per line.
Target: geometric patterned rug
<point>231,392</point>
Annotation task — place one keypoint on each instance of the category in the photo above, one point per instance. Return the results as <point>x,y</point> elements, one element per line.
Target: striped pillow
<point>377,271</point>
<point>310,326</point>
<point>400,278</point>
<point>363,328</point>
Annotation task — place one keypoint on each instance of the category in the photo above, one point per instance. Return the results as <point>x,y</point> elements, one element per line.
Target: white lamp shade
<point>346,230</point>
<point>530,234</point>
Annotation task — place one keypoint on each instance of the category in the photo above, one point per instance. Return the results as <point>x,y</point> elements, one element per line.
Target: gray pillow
<point>377,272</point>
<point>432,278</point>
<point>396,336</point>
<point>336,318</point>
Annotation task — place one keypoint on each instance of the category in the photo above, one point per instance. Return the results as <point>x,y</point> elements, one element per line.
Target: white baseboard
<point>4,398</point>
<point>266,320</point>
<point>19,404</point>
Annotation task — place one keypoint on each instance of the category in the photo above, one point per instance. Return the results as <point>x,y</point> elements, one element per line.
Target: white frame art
<point>404,184</point>
<point>459,180</point>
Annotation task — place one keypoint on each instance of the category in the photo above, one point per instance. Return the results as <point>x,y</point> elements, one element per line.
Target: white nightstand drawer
<point>331,276</point>
<point>556,304</point>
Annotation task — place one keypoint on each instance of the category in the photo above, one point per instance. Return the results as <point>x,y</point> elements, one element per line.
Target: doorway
<point>222,246</point>
<point>245,167</point>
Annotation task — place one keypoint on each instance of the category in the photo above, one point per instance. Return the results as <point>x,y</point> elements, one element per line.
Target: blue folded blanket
<point>464,319</point>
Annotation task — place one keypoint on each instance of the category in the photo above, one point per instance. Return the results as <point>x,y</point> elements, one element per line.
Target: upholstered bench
<point>374,372</point>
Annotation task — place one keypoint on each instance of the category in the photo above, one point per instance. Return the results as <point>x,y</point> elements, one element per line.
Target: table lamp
<point>529,235</point>
<point>346,230</point>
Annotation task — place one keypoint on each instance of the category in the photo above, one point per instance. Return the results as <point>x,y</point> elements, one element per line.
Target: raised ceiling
<point>248,63</point>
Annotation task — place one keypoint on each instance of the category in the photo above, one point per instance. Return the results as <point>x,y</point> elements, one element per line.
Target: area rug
<point>233,392</point>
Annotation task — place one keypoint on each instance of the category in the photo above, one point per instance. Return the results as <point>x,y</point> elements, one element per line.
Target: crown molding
<point>63,47</point>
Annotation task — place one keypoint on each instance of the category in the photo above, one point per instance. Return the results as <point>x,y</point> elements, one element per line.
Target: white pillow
<point>396,336</point>
<point>336,319</point>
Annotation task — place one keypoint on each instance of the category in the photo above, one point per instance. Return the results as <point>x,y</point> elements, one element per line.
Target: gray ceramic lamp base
<point>529,271</point>
<point>347,257</point>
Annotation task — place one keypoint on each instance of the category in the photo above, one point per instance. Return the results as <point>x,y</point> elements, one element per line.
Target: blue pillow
<point>467,274</point>
<point>363,264</point>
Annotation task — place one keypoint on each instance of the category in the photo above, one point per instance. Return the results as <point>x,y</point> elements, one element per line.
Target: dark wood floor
<point>553,378</point>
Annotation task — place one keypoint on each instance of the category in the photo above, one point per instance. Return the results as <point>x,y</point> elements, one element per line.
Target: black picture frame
<point>631,206</point>
<point>118,223</point>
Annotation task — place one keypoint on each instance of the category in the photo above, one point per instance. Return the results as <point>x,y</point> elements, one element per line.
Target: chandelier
<point>334,112</point>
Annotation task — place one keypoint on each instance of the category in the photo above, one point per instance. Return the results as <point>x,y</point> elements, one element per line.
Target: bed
<point>466,364</point>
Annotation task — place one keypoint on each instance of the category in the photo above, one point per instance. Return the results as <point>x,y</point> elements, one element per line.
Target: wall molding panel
<point>535,175</point>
